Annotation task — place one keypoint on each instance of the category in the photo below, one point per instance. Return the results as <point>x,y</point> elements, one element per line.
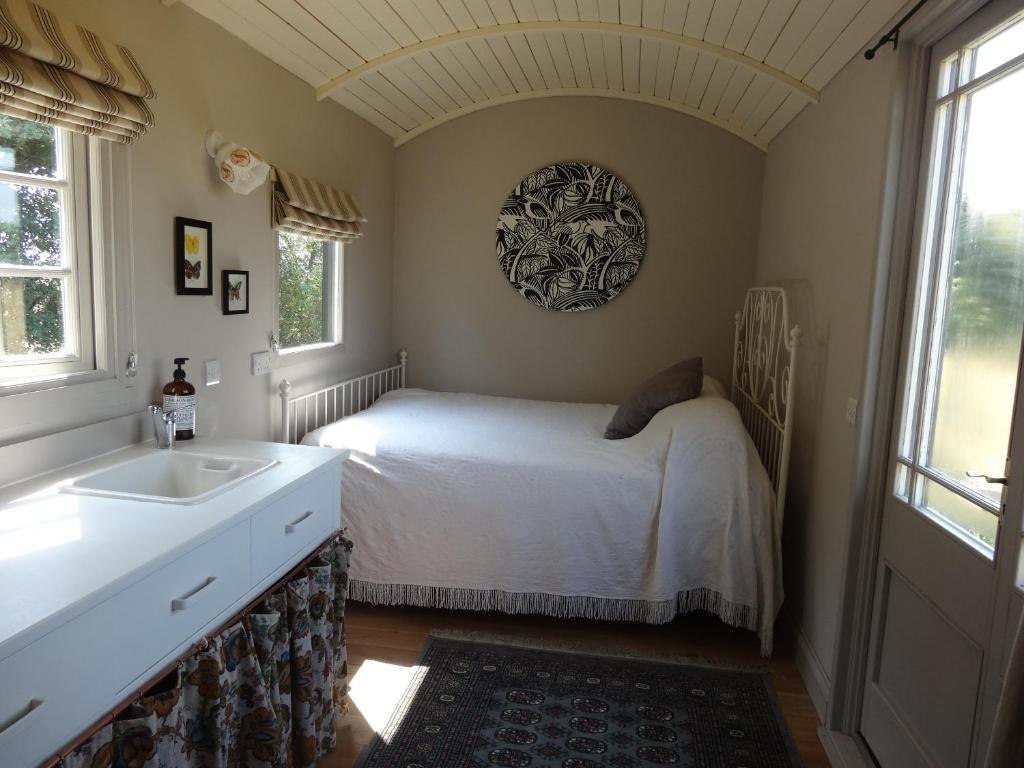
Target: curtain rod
<point>58,759</point>
<point>893,35</point>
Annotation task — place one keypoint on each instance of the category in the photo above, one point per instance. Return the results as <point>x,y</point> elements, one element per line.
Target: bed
<point>468,501</point>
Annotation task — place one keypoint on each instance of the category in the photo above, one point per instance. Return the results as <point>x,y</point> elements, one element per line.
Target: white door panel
<point>953,576</point>
<point>892,742</point>
<point>915,642</point>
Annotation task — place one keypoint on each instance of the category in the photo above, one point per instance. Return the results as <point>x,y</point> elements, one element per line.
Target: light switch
<point>261,363</point>
<point>212,372</point>
<point>851,411</point>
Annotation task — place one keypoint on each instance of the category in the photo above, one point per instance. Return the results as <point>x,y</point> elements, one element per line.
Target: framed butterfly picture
<point>235,291</point>
<point>193,257</point>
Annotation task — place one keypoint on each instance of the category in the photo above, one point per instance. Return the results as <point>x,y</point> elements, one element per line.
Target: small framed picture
<point>193,257</point>
<point>235,291</point>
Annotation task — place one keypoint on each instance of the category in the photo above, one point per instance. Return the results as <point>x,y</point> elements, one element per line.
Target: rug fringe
<point>567,606</point>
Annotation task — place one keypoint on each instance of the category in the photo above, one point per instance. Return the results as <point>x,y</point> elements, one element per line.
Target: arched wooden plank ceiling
<point>746,66</point>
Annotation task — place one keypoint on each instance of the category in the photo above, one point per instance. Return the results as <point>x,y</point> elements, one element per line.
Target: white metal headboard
<point>763,377</point>
<point>304,413</point>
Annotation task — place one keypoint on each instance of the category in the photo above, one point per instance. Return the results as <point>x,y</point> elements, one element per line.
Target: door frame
<point>894,261</point>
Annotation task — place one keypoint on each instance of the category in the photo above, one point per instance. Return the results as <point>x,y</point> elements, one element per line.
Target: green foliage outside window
<point>988,279</point>
<point>301,271</point>
<point>976,376</point>
<point>31,309</point>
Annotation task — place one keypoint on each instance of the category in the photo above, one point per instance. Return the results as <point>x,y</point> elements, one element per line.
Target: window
<point>309,292</point>
<point>969,312</point>
<point>46,281</point>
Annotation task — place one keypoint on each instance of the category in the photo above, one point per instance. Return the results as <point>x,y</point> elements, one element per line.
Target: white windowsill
<point>28,385</point>
<point>295,355</point>
<point>959,534</point>
<point>309,347</point>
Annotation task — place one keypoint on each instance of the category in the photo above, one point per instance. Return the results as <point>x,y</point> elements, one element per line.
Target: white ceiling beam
<point>792,84</point>
<point>676,106</point>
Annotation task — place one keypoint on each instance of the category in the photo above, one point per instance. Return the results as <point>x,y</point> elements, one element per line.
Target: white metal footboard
<point>305,413</point>
<point>763,375</point>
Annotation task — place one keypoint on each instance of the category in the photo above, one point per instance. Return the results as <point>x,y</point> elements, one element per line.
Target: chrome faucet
<point>164,425</point>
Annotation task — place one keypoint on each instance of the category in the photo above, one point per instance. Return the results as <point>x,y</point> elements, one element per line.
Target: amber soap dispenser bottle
<point>180,397</point>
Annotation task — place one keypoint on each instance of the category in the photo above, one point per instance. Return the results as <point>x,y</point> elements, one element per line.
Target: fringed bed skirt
<point>567,606</point>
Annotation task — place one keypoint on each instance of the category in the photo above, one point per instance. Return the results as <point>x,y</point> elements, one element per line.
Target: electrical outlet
<point>851,411</point>
<point>212,372</point>
<point>261,363</point>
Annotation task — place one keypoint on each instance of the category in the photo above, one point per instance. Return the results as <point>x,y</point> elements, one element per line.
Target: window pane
<point>301,290</point>
<point>979,312</point>
<point>979,344</point>
<point>998,50</point>
<point>31,315</point>
<point>902,484</point>
<point>932,231</point>
<point>27,147</point>
<point>979,524</point>
<point>29,226</point>
<point>947,75</point>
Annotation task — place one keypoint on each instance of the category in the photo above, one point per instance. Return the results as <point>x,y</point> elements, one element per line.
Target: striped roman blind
<point>305,207</point>
<point>57,73</point>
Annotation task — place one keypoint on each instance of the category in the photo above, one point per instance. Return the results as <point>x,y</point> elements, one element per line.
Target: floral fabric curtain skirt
<point>263,694</point>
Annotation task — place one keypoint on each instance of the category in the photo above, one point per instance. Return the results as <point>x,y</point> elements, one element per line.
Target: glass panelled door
<point>967,330</point>
<point>941,535</point>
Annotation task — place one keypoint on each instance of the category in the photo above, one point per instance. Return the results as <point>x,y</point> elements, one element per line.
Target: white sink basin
<point>169,477</point>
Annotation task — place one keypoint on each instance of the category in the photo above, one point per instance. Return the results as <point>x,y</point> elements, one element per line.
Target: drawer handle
<point>183,602</point>
<point>33,706</point>
<point>293,527</point>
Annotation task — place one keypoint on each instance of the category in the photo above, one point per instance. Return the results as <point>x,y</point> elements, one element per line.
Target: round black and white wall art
<point>570,237</point>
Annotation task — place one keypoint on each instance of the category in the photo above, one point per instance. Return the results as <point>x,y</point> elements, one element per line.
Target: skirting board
<point>819,687</point>
<point>842,750</point>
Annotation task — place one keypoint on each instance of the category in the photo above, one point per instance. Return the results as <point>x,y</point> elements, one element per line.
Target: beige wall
<point>820,220</point>
<point>206,78</point>
<point>467,329</point>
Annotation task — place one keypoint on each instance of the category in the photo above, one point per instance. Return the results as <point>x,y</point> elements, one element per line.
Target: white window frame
<point>72,184</point>
<point>51,400</point>
<point>333,304</point>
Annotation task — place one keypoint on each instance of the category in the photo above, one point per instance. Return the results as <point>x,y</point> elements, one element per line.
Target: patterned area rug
<point>476,705</point>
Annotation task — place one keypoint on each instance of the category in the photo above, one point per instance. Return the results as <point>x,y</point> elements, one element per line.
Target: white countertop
<point>61,554</point>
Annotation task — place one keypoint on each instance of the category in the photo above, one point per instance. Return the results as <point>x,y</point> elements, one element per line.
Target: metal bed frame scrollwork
<point>763,380</point>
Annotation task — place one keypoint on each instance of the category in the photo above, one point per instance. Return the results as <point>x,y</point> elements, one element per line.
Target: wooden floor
<point>392,639</point>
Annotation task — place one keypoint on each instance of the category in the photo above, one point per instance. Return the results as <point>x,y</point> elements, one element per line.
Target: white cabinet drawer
<point>155,616</point>
<point>292,524</point>
<point>53,689</point>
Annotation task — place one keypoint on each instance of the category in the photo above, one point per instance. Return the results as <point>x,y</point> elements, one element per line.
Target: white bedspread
<point>469,501</point>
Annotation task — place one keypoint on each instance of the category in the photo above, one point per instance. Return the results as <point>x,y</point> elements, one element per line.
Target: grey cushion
<point>683,381</point>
